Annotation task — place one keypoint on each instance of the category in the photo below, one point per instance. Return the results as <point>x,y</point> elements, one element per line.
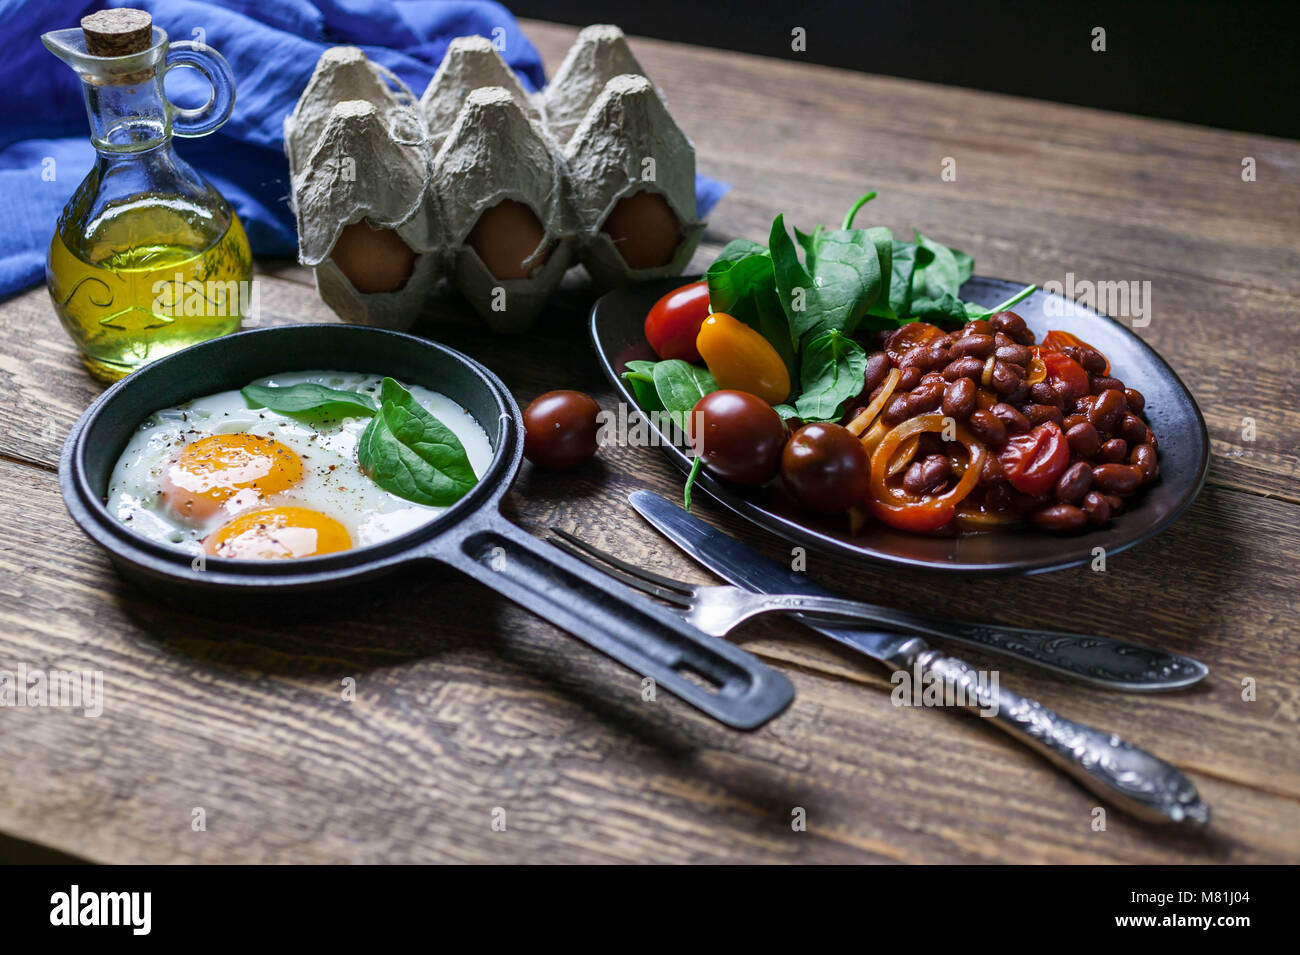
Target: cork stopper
<point>117,32</point>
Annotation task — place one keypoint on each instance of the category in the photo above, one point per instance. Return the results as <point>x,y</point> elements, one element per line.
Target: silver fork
<point>718,609</point>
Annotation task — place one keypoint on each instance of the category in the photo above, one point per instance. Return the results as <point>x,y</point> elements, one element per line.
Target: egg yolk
<point>214,470</point>
<point>274,532</point>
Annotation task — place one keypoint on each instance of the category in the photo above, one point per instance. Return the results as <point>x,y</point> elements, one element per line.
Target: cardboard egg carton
<point>363,148</point>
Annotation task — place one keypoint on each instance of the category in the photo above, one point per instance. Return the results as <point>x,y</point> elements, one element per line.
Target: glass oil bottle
<point>147,257</point>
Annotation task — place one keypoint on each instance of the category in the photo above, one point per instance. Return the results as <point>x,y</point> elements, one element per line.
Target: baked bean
<point>1132,429</point>
<point>925,398</point>
<point>877,369</point>
<point>1113,451</point>
<point>1151,439</point>
<point>1020,395</point>
<point>977,327</point>
<point>1059,517</point>
<point>1043,393</point>
<point>1093,361</point>
<point>1108,410</point>
<point>1015,422</point>
<point>917,358</point>
<point>938,353</point>
<point>992,471</point>
<point>909,378</point>
<point>988,426</point>
<point>984,398</point>
<point>1071,420</point>
<point>959,399</point>
<point>1115,503</point>
<point>1016,354</point>
<point>1037,414</point>
<point>926,476</point>
<point>964,368</point>
<point>1084,404</point>
<point>976,346</point>
<point>896,411</point>
<point>1005,377</point>
<point>1013,326</point>
<point>1143,457</point>
<point>1084,439</point>
<point>1074,483</point>
<point>1096,508</point>
<point>1116,479</point>
<point>931,376</point>
<point>1103,383</point>
<point>1136,403</point>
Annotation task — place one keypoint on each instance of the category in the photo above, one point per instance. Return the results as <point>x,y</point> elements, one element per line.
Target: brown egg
<point>374,260</point>
<point>504,236</point>
<point>645,230</point>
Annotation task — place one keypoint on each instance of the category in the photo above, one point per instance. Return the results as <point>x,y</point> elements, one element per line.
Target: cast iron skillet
<point>617,329</point>
<point>472,536</point>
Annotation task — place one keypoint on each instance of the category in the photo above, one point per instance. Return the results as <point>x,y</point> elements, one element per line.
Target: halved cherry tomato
<point>674,322</point>
<point>910,336</point>
<point>741,359</point>
<point>1033,461</point>
<point>1056,340</point>
<point>1063,368</point>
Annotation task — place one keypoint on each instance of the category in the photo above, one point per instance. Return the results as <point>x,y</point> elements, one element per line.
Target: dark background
<point>1219,63</point>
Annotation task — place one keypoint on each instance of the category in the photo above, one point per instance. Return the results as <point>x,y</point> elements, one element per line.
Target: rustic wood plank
<point>245,719</point>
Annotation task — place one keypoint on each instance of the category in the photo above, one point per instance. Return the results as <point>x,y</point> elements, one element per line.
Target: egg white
<point>332,481</point>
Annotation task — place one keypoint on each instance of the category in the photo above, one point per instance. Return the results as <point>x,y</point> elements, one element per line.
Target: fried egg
<point>217,476</point>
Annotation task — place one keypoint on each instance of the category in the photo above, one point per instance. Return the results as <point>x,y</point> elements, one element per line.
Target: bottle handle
<point>213,67</point>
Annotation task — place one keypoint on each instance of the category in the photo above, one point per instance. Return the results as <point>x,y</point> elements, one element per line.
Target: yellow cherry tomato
<point>741,359</point>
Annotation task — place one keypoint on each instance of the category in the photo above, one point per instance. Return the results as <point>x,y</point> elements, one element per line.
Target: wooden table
<point>466,703</point>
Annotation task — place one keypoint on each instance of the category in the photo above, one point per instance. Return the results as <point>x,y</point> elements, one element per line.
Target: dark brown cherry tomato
<point>826,468</point>
<point>560,429</point>
<point>1032,462</point>
<point>674,322</point>
<point>738,435</point>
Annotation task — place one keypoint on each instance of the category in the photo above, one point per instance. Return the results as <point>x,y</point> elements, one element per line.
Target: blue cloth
<point>272,47</point>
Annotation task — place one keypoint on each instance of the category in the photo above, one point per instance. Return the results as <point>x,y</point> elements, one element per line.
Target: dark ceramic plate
<point>616,330</point>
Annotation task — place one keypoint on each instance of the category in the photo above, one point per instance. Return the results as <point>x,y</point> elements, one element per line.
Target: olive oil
<point>147,257</point>
<point>148,281</point>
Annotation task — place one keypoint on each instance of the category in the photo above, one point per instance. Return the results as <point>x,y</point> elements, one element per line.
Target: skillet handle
<point>744,693</point>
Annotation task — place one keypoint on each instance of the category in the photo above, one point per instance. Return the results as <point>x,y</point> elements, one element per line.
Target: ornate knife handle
<point>1101,661</point>
<point>1114,769</point>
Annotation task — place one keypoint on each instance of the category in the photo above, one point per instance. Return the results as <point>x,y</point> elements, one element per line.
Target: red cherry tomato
<point>674,322</point>
<point>826,468</point>
<point>1033,461</point>
<point>560,429</point>
<point>1056,340</point>
<point>1063,368</point>
<point>738,435</point>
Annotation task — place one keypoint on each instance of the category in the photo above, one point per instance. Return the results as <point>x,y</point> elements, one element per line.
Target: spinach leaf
<point>742,284</point>
<point>640,378</point>
<point>305,396</point>
<point>409,452</point>
<point>834,368</point>
<point>680,385</point>
<point>844,281</point>
<point>936,281</point>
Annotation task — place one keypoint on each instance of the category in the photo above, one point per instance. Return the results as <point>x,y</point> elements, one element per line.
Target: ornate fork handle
<point>1099,660</point>
<point>1132,778</point>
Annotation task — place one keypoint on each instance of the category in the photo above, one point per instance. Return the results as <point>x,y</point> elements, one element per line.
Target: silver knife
<point>1130,777</point>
